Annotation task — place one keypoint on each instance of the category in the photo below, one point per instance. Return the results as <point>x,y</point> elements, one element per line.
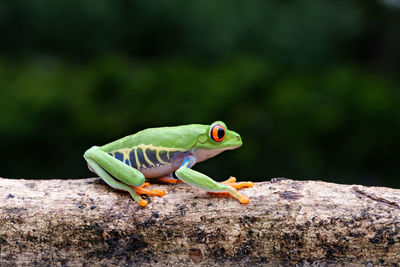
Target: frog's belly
<point>159,171</point>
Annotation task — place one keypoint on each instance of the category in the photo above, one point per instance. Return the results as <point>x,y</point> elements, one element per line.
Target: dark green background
<point>312,86</point>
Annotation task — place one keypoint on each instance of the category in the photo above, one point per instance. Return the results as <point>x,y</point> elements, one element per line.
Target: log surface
<point>84,222</point>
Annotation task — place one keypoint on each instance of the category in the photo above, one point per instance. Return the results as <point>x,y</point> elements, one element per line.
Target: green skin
<point>175,149</point>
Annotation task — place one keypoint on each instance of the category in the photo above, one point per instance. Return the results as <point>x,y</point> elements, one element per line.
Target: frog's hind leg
<point>115,173</point>
<point>114,183</point>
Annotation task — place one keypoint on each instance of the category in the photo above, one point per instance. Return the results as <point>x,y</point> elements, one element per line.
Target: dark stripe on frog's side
<point>164,156</point>
<point>119,156</point>
<point>132,158</point>
<point>152,156</point>
<point>140,158</point>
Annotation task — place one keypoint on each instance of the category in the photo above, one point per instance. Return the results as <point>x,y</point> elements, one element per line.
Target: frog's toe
<point>241,185</point>
<point>145,184</point>
<point>237,185</point>
<point>230,180</point>
<point>242,199</point>
<point>143,203</point>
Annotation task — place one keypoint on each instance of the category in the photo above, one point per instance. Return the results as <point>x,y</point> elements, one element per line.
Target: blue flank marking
<point>132,158</point>
<point>140,156</point>
<point>188,162</point>
<point>127,162</point>
<point>119,156</point>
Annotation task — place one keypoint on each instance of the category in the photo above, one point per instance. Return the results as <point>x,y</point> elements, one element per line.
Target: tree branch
<point>84,222</point>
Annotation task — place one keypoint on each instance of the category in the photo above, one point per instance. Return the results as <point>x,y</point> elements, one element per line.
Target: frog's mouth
<point>203,154</point>
<point>232,147</point>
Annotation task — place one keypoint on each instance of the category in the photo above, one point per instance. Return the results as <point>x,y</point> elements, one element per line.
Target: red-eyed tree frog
<point>157,153</point>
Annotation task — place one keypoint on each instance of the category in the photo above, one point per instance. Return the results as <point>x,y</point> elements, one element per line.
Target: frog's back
<point>181,137</point>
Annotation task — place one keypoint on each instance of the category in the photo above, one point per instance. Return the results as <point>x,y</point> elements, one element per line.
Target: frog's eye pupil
<point>217,133</point>
<point>221,133</point>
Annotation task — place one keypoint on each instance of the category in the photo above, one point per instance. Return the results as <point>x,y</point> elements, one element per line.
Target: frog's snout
<point>239,139</point>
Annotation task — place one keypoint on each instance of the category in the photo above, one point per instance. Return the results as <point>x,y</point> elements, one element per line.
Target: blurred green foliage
<point>312,87</point>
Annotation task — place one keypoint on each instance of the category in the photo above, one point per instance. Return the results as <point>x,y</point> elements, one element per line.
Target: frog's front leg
<point>202,181</point>
<point>108,168</point>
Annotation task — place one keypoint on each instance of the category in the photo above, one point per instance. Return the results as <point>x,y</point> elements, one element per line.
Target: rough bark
<point>84,222</point>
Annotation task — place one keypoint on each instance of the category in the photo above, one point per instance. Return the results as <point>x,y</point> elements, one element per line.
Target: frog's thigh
<point>113,166</point>
<point>111,181</point>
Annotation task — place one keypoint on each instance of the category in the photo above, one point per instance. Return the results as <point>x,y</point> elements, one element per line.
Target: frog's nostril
<point>237,137</point>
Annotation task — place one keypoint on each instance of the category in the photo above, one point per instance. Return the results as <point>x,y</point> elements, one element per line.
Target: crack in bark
<point>376,198</point>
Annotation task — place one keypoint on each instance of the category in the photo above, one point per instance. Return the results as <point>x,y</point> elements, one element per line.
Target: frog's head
<point>215,139</point>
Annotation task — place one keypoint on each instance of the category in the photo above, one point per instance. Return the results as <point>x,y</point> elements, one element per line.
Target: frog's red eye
<point>217,133</point>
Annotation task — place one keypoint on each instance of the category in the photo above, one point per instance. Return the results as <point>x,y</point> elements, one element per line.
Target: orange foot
<point>232,182</point>
<point>140,190</point>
